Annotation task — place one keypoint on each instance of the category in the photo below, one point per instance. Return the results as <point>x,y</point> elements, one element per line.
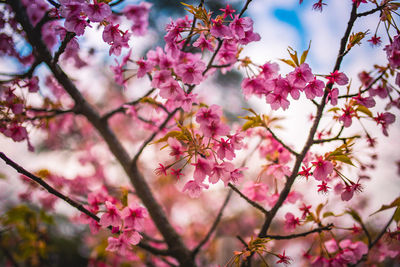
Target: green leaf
<point>289,62</point>
<point>328,214</point>
<point>304,54</point>
<point>293,55</point>
<point>395,203</point>
<point>364,110</point>
<point>355,215</point>
<point>319,208</point>
<point>342,158</point>
<point>175,134</point>
<point>396,216</point>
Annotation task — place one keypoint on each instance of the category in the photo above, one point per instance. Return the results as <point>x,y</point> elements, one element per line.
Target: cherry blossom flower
<point>322,169</point>
<point>203,43</point>
<point>301,75</point>
<point>291,221</point>
<point>284,259</point>
<point>375,40</point>
<point>97,12</point>
<point>134,216</point>
<point>203,168</point>
<point>123,243</point>
<point>323,187</point>
<point>191,73</point>
<point>305,209</point>
<point>111,217</point>
<point>193,188</point>
<point>318,6</point>
<point>255,191</point>
<point>314,88</point>
<point>228,11</point>
<point>337,77</point>
<point>162,170</point>
<point>218,29</point>
<point>384,119</point>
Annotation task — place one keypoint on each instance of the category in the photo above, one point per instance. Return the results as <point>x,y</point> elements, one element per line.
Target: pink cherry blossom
<point>301,75</point>
<point>191,73</point>
<point>123,243</point>
<point>255,191</point>
<point>193,188</point>
<point>134,216</point>
<point>203,168</point>
<point>112,217</point>
<point>322,169</point>
<point>337,77</point>
<point>97,12</point>
<point>314,88</point>
<point>291,221</point>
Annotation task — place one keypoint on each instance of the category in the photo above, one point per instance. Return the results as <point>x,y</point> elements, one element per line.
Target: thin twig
<point>244,8</point>
<point>71,202</point>
<point>377,238</point>
<point>251,202</point>
<point>280,141</point>
<point>372,11</point>
<point>48,187</point>
<point>122,108</point>
<point>316,230</point>
<point>190,35</point>
<point>68,37</point>
<point>116,3</point>
<point>367,88</point>
<point>214,225</point>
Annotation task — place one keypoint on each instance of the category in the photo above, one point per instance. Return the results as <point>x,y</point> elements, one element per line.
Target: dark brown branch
<point>70,201</point>
<point>48,187</point>
<point>121,109</point>
<point>214,225</point>
<point>116,3</point>
<point>289,182</point>
<point>174,241</point>
<point>190,35</point>
<point>68,37</point>
<point>251,202</point>
<point>54,3</point>
<point>281,142</point>
<point>372,11</point>
<point>244,8</point>
<point>366,233</point>
<point>367,88</point>
<point>376,240</point>
<point>316,230</point>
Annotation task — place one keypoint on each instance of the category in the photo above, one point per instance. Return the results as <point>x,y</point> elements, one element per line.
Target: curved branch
<point>251,202</point>
<point>175,244</point>
<point>70,201</point>
<point>316,230</point>
<point>214,225</point>
<point>289,182</point>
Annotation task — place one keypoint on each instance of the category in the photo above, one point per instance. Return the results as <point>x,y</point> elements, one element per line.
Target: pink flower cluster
<point>276,88</point>
<point>342,253</point>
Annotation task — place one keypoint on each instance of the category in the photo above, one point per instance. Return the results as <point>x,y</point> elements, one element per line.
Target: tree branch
<point>289,182</point>
<point>214,225</point>
<point>316,230</point>
<point>48,187</point>
<point>70,201</point>
<point>68,37</point>
<point>367,88</point>
<point>251,202</point>
<point>174,241</point>
<point>280,141</point>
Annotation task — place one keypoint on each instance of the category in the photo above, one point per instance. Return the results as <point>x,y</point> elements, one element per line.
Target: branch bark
<point>174,241</point>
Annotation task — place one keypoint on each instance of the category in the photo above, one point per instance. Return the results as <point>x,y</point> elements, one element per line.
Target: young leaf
<point>395,203</point>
